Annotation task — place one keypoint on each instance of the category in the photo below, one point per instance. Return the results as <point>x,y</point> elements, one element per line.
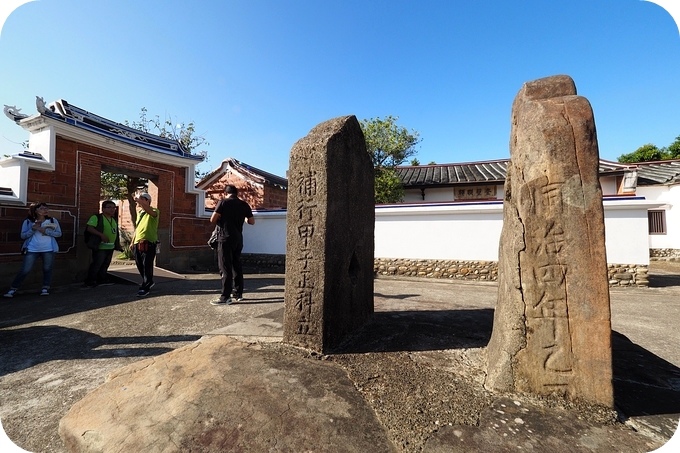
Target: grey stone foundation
<point>664,253</point>
<point>449,269</point>
<point>631,275</point>
<point>620,275</point>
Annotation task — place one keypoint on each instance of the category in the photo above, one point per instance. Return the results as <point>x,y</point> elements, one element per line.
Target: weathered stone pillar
<point>552,325</point>
<point>329,237</point>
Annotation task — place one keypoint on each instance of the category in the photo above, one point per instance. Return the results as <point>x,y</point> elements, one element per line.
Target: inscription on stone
<point>305,209</point>
<point>329,237</point>
<point>552,328</point>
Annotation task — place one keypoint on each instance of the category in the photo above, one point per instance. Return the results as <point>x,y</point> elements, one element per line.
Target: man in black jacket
<point>229,216</point>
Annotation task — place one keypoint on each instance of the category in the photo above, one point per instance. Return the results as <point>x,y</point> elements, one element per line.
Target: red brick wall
<point>275,198</point>
<point>72,191</point>
<point>258,197</point>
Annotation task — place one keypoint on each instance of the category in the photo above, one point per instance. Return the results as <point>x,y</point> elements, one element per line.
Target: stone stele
<point>329,236</point>
<point>552,324</point>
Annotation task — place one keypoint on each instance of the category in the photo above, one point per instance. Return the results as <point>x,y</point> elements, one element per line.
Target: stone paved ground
<point>55,350</point>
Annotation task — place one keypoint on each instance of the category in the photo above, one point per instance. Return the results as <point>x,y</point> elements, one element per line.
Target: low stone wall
<point>451,269</point>
<point>664,253</point>
<point>628,275</point>
<point>624,275</point>
<point>261,263</point>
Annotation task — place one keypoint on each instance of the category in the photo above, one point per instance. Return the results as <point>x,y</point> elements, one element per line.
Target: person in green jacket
<point>105,227</point>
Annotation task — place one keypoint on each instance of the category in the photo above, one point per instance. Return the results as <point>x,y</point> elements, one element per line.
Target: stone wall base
<point>664,253</point>
<point>635,275</point>
<point>261,263</point>
<point>624,275</point>
<point>448,269</point>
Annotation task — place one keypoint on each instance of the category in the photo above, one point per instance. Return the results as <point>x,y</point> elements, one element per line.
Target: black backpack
<point>92,240</point>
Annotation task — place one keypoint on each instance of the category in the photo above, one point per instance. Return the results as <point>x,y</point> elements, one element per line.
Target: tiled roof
<point>493,171</point>
<point>61,110</point>
<point>256,174</point>
<point>660,172</point>
<point>269,178</point>
<point>448,174</point>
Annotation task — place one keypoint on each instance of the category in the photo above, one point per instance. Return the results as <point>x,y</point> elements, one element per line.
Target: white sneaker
<point>45,292</point>
<point>10,293</point>
<point>222,301</point>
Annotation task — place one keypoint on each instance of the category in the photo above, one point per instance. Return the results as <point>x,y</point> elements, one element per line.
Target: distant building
<point>262,190</point>
<point>69,150</point>
<point>483,181</point>
<point>660,181</point>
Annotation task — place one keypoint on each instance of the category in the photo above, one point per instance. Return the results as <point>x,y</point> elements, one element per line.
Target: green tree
<point>185,134</point>
<point>123,187</point>
<point>674,148</point>
<point>388,186</point>
<point>415,162</point>
<point>645,153</point>
<point>389,145</point>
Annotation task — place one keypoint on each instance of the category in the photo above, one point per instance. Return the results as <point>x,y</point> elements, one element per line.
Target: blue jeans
<point>29,261</point>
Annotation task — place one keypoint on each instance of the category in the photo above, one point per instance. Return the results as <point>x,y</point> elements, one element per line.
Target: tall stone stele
<point>552,324</point>
<point>329,236</point>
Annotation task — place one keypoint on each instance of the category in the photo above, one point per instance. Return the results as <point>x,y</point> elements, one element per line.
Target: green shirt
<point>110,231</point>
<point>147,226</point>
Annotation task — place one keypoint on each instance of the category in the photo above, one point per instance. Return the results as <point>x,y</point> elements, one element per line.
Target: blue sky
<point>256,75</point>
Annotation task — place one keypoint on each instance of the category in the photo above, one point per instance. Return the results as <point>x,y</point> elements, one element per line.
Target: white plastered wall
<point>460,231</point>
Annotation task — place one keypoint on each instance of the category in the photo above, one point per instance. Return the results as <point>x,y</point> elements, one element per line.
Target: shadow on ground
<point>644,383</point>
<point>27,347</point>
<point>28,308</point>
<point>394,331</point>
<point>663,280</point>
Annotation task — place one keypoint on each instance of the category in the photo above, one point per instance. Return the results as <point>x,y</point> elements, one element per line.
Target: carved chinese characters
<point>552,322</point>
<point>305,207</point>
<point>329,238</point>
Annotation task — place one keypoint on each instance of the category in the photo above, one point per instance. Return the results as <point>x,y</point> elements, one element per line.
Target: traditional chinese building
<point>483,181</point>
<point>262,190</point>
<point>69,149</point>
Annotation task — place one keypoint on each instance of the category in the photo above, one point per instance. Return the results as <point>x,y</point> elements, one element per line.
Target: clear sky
<point>256,75</point>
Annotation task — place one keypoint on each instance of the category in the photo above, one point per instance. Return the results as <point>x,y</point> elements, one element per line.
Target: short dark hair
<point>231,189</point>
<point>106,203</point>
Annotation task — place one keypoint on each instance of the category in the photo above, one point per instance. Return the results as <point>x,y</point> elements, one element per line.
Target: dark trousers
<point>231,269</point>
<point>145,254</point>
<point>101,260</point>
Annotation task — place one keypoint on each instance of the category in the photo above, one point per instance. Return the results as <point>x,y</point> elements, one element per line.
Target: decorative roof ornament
<point>63,112</point>
<point>40,105</point>
<point>12,112</point>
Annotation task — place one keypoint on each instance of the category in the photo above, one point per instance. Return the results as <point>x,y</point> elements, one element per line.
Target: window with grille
<point>657,222</point>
